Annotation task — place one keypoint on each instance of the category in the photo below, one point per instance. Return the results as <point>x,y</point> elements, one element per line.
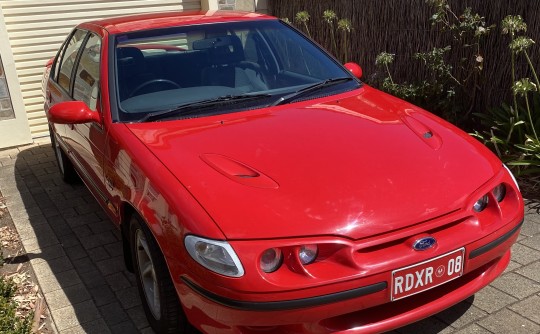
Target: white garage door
<point>36,28</point>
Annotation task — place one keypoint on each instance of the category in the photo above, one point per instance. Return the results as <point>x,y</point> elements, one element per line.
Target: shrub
<point>445,90</point>
<point>9,322</point>
<point>512,130</point>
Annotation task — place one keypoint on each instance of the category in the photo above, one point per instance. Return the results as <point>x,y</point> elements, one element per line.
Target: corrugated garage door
<point>36,28</point>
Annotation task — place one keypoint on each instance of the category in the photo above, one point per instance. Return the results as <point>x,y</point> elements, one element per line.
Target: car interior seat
<point>132,70</point>
<point>227,65</point>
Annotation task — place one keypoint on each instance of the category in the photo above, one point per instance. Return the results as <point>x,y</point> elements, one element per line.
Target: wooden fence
<point>402,27</point>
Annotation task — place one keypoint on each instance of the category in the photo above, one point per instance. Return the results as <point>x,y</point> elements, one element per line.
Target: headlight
<point>271,260</point>
<point>217,256</point>
<point>308,253</point>
<point>499,192</point>
<point>481,203</point>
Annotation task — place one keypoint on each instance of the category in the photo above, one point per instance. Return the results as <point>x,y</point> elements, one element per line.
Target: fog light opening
<point>271,260</point>
<point>481,204</point>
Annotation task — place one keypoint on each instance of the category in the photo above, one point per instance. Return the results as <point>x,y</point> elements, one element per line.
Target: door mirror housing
<point>355,69</point>
<point>72,112</point>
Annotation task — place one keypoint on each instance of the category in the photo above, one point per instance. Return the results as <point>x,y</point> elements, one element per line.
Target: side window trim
<point>88,36</point>
<point>60,56</point>
<point>79,51</point>
<point>76,63</point>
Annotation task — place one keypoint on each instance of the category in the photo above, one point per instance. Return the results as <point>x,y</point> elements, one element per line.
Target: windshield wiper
<point>310,89</point>
<point>193,107</point>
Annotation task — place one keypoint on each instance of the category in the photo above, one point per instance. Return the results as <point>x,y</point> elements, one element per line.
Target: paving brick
<point>117,281</point>
<point>473,329</point>
<point>74,315</point>
<point>113,313</point>
<point>87,208</point>
<point>102,295</point>
<point>95,326</point>
<point>34,245</point>
<point>524,255</point>
<point>98,254</point>
<point>99,239</point>
<point>512,266</point>
<point>53,266</point>
<point>82,232</point>
<point>102,226</point>
<point>51,213</point>
<point>506,321</point>
<point>148,330</point>
<point>76,252</point>
<point>490,299</point>
<point>516,285</point>
<point>67,296</point>
<point>47,254</point>
<point>41,231</point>
<point>138,317</point>
<point>129,297</point>
<point>84,265</point>
<point>59,226</point>
<point>531,271</point>
<point>79,220</point>
<point>69,240</point>
<point>115,249</point>
<point>112,265</point>
<point>93,279</point>
<point>529,308</point>
<point>532,242</point>
<point>462,314</point>
<point>58,281</point>
<point>125,327</point>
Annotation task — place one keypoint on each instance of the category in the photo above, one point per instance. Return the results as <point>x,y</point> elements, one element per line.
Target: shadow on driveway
<point>75,250</point>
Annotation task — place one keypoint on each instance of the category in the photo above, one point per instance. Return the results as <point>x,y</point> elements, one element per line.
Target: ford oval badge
<point>424,243</point>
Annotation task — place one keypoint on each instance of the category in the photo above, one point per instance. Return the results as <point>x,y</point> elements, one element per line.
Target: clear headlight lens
<point>271,260</point>
<point>308,253</point>
<point>499,192</point>
<point>481,203</point>
<point>214,255</point>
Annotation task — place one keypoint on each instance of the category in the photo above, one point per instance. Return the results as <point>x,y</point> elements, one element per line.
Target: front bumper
<point>356,306</point>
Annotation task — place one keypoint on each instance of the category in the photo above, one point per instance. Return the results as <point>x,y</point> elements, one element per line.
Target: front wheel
<point>159,298</point>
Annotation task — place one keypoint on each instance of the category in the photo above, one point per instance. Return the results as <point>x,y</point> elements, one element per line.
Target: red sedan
<point>259,185</point>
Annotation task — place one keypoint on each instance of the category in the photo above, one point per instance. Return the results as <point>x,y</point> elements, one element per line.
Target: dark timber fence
<point>403,27</point>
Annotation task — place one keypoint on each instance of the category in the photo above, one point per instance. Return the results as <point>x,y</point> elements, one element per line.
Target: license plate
<point>428,274</point>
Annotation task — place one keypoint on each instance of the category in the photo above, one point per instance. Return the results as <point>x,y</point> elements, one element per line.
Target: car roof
<point>123,24</point>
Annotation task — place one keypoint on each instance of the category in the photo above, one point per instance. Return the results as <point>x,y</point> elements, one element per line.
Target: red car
<point>259,185</point>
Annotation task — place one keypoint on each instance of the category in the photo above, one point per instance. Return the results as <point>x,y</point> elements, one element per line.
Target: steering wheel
<point>144,85</point>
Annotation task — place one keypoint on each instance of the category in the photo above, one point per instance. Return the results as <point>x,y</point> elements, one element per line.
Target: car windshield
<point>225,67</point>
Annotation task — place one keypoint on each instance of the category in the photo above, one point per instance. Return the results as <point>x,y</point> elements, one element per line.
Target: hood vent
<point>238,171</point>
<point>432,139</point>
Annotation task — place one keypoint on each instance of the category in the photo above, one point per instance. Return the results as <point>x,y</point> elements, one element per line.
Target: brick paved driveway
<point>77,256</point>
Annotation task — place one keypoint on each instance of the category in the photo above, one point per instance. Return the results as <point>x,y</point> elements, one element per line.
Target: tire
<point>68,172</point>
<point>162,308</point>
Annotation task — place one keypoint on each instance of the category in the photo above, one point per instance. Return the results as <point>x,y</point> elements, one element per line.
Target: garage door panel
<point>36,29</point>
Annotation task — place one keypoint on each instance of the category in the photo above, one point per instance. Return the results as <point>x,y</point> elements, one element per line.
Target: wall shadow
<point>75,250</point>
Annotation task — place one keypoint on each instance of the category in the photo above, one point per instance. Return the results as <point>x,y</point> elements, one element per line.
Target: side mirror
<point>355,69</point>
<point>72,112</point>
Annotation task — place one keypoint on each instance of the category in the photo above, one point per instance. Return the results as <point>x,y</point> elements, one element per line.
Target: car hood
<point>360,164</point>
